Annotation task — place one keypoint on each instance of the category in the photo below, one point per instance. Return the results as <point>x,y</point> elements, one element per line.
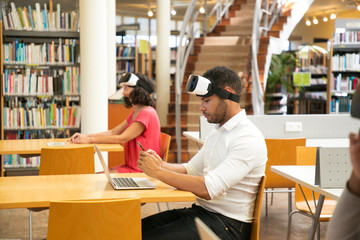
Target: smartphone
<point>142,148</point>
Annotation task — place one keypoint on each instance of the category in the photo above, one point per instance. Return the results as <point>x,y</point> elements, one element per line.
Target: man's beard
<point>219,115</point>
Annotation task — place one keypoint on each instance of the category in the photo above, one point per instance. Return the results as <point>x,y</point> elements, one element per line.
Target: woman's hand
<point>79,138</point>
<point>150,163</point>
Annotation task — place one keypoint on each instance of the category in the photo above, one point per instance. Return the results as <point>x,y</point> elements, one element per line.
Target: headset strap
<point>222,93</point>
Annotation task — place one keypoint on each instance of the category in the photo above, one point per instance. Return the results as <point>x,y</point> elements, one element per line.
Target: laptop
<point>124,183</point>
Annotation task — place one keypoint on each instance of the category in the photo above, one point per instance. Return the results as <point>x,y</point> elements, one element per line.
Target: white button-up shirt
<point>232,161</point>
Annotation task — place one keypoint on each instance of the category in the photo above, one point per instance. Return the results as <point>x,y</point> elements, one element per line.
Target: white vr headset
<point>203,87</point>
<point>131,80</point>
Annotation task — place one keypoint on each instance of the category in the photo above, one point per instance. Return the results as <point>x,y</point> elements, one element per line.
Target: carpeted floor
<point>14,222</point>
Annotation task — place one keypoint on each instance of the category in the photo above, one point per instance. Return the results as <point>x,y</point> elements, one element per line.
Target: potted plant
<point>279,81</point>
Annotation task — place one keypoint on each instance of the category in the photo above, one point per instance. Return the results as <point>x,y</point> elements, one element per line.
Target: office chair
<point>280,152</point>
<point>255,228</point>
<point>164,146</point>
<point>164,152</point>
<point>206,233</point>
<point>64,160</point>
<point>87,220</point>
<point>305,199</point>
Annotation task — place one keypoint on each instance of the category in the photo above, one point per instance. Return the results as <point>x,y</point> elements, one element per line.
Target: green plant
<point>281,69</point>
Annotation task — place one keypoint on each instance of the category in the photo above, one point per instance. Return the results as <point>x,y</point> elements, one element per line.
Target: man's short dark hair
<point>139,95</point>
<point>222,76</point>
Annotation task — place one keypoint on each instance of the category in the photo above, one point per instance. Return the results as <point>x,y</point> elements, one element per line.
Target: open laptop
<point>124,183</point>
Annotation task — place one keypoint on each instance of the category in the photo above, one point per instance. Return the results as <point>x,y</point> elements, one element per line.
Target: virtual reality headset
<point>131,80</point>
<point>203,87</point>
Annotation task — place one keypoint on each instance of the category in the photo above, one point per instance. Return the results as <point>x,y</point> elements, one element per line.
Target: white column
<point>111,25</point>
<point>94,66</point>
<point>163,59</point>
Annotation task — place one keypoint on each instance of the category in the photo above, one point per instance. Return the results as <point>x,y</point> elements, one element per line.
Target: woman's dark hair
<point>139,95</point>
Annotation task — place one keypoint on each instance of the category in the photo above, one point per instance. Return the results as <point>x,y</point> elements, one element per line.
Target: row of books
<point>45,53</point>
<point>340,105</point>
<point>124,51</point>
<point>350,37</point>
<point>346,62</point>
<point>125,66</point>
<point>15,161</point>
<point>345,83</point>
<point>41,82</point>
<point>28,18</point>
<point>35,118</point>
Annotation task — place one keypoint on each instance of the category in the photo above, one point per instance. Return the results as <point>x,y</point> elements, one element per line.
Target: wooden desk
<point>38,191</point>
<point>305,176</point>
<point>33,146</point>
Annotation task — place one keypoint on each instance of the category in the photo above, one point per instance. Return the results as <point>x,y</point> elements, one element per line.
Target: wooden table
<point>33,147</point>
<point>38,191</point>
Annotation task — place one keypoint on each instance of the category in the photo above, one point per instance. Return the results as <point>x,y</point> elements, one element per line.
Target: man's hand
<point>150,163</point>
<point>79,138</point>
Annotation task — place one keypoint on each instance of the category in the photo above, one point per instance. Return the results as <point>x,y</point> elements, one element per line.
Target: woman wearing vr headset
<point>224,175</point>
<point>142,125</point>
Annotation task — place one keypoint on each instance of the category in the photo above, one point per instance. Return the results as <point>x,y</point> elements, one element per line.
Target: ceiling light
<point>202,10</point>
<point>325,19</point>
<point>315,21</point>
<point>150,13</point>
<point>307,22</point>
<point>332,16</point>
<point>173,11</point>
<point>358,7</point>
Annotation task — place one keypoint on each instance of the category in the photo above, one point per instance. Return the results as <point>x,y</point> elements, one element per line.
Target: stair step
<point>238,28</point>
<point>222,40</point>
<point>229,49</point>
<point>236,33</point>
<point>237,67</point>
<point>224,58</point>
<point>241,19</point>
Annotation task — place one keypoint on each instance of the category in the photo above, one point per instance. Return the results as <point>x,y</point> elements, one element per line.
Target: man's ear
<point>229,89</point>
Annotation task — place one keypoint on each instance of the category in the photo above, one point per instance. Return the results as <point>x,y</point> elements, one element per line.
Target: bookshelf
<point>311,83</point>
<point>125,59</point>
<point>345,67</point>
<point>40,78</point>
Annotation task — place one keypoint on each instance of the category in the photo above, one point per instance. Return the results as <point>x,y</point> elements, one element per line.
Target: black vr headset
<point>131,80</point>
<point>203,87</point>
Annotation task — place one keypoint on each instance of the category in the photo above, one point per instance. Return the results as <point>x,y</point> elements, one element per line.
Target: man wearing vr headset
<point>225,173</point>
<point>344,223</point>
<point>141,125</point>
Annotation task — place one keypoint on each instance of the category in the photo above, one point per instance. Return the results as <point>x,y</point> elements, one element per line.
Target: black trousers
<point>180,224</point>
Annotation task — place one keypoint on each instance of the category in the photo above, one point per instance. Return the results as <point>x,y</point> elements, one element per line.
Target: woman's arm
<point>120,134</point>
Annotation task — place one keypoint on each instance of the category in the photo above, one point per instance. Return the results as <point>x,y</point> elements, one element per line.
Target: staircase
<point>228,45</point>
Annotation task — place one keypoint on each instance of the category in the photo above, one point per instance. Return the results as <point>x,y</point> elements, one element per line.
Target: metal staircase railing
<point>266,13</point>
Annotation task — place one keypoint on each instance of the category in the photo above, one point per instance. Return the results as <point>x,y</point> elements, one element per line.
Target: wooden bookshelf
<point>41,86</point>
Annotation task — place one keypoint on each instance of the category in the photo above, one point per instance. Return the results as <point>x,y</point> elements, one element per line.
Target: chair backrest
<point>164,145</point>
<point>67,160</point>
<point>255,227</point>
<point>281,152</point>
<point>106,219</point>
<point>305,156</point>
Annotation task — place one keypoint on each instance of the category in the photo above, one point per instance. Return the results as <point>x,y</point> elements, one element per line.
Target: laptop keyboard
<point>125,182</point>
